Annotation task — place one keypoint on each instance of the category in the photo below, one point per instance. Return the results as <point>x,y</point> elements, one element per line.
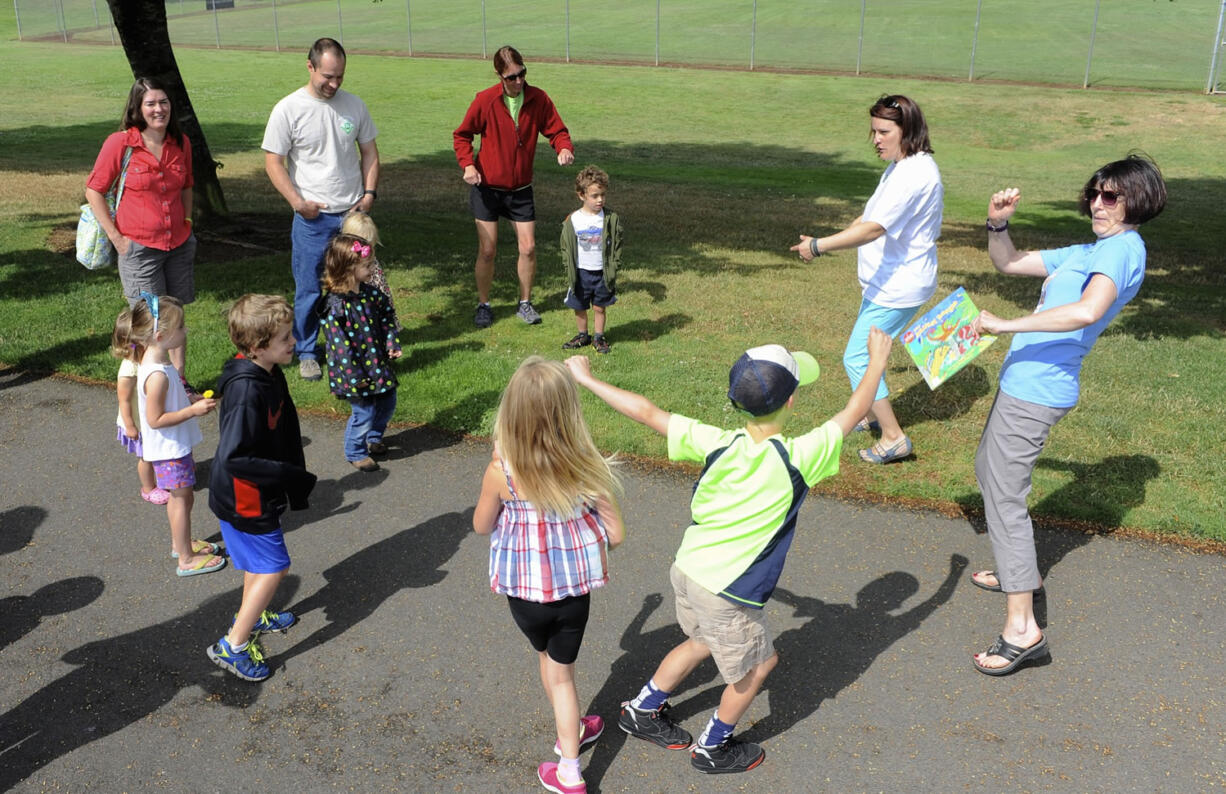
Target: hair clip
<point>151,301</point>
<point>358,248</point>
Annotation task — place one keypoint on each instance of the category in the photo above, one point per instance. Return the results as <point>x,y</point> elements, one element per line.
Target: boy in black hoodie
<point>258,471</point>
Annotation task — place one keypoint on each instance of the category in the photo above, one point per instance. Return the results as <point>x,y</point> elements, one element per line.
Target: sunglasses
<point>522,74</point>
<point>890,102</point>
<point>1110,197</point>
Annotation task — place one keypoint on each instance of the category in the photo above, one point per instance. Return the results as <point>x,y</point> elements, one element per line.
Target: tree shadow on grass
<point>918,404</point>
<point>113,687</point>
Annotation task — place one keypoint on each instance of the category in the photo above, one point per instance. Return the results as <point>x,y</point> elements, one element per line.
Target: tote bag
<point>94,249</point>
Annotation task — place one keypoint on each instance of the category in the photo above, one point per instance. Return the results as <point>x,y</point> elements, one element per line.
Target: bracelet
<point>1000,228</point>
<point>813,247</point>
<point>373,194</point>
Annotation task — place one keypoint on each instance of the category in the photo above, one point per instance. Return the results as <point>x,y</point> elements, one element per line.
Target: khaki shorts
<point>737,636</point>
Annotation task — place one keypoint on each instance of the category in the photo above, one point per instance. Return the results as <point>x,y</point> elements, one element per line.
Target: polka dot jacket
<point>360,329</point>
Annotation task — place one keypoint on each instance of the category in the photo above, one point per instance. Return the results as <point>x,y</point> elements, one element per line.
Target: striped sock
<point>716,732</point>
<point>650,697</point>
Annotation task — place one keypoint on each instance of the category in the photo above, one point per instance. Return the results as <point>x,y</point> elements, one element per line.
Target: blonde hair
<point>591,175</point>
<point>255,319</point>
<point>132,329</point>
<point>340,260</point>
<point>361,225</point>
<point>545,443</point>
<point>143,327</point>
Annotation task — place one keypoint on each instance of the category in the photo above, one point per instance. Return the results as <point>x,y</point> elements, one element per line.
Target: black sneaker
<point>484,317</point>
<point>577,341</point>
<point>654,726</point>
<point>730,755</point>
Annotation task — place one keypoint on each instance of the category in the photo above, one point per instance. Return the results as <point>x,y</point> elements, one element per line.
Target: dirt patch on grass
<point>222,240</point>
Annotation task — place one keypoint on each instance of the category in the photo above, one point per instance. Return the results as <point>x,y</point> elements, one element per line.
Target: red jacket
<point>507,151</point>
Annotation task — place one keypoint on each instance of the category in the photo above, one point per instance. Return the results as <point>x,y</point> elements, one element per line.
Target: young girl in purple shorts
<point>168,428</point>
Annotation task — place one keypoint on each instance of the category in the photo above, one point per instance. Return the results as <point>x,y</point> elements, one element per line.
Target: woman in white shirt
<point>896,240</point>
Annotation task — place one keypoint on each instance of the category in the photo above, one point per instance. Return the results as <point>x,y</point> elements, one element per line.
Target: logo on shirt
<point>347,125</point>
<point>273,418</point>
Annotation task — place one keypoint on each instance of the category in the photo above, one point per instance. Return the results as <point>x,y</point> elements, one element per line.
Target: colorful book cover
<point>941,342</point>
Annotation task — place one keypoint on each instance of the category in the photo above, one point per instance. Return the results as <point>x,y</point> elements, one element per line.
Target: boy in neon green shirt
<point>744,511</point>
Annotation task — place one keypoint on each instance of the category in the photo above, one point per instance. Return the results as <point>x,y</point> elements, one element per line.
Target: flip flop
<point>865,426</point>
<point>996,588</point>
<point>879,454</point>
<point>203,566</point>
<point>199,547</point>
<point>158,496</point>
<point>1014,655</point>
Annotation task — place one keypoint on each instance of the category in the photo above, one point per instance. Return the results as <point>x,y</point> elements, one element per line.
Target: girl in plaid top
<point>549,501</point>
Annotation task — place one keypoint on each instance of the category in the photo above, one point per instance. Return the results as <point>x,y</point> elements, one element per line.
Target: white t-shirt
<point>899,269</point>
<point>166,443</point>
<point>320,138</point>
<point>589,231</point>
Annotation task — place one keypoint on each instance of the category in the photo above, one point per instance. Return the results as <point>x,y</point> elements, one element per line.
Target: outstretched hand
<point>804,248</point>
<point>580,367</point>
<point>1003,204</point>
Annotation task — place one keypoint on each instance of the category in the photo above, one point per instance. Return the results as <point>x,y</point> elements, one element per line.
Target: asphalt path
<point>406,674</point>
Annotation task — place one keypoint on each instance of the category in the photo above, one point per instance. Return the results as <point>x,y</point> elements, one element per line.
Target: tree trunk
<point>146,42</point>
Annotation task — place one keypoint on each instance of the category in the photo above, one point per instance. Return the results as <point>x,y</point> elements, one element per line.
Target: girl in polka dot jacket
<point>360,330</point>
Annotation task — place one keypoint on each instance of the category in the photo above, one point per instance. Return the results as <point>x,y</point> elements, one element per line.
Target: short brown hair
<point>506,56</point>
<point>316,53</point>
<point>1137,179</point>
<point>255,319</point>
<point>589,176</point>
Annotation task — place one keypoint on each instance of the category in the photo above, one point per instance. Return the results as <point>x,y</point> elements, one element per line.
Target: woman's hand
<point>471,175</point>
<point>986,322</point>
<point>804,248</point>
<point>1002,205</point>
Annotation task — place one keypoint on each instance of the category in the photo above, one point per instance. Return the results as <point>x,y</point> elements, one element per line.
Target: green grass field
<point>1143,43</point>
<point>715,174</point>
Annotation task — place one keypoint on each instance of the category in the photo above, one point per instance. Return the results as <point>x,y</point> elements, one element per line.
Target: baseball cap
<point>763,378</point>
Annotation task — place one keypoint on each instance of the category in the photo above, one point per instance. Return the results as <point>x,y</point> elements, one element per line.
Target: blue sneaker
<point>270,622</point>
<point>247,664</point>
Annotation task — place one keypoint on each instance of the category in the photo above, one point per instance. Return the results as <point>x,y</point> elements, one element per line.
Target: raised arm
<point>627,403</point>
<point>1005,257</point>
<point>879,343</point>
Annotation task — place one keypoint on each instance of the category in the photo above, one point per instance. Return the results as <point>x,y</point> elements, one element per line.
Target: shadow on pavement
<point>119,681</point>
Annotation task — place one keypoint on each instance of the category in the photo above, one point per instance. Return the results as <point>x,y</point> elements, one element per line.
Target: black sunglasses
<point>522,74</point>
<point>1110,197</point>
<point>890,102</point>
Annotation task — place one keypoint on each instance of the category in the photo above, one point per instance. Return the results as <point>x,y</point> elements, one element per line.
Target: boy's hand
<point>202,406</point>
<point>879,343</point>
<point>580,367</point>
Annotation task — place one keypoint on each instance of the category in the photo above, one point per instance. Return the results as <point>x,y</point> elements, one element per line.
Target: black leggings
<point>556,628</point>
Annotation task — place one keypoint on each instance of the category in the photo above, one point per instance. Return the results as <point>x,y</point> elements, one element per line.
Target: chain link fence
<point>1163,44</point>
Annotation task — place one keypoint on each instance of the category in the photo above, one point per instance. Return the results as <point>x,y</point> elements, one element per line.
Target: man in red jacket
<point>508,117</point>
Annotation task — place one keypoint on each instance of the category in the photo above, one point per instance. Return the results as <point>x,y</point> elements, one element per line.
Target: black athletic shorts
<point>556,628</point>
<point>488,203</point>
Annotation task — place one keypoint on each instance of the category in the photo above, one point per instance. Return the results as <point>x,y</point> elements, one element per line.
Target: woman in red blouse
<point>152,230</point>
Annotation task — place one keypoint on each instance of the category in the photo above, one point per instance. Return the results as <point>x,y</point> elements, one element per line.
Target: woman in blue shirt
<point>1084,287</point>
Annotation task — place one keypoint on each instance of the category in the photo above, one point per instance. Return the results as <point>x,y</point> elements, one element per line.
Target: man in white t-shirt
<point>320,153</point>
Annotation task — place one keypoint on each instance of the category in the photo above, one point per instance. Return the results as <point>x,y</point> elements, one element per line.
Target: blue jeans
<point>309,239</point>
<point>855,357</point>
<point>367,423</point>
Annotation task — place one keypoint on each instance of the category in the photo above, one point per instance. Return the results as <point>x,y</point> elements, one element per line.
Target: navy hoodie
<point>259,468</point>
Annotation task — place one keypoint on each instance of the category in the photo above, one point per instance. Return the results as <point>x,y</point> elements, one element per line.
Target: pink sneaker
<point>590,728</point>
<point>548,775</point>
<point>158,496</point>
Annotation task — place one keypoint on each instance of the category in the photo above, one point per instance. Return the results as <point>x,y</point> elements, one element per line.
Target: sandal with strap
<point>577,341</point>
<point>1015,656</point>
<point>879,454</point>
<point>207,565</point>
<point>996,588</point>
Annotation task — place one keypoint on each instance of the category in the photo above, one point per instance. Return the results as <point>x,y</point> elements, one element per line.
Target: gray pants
<point>1013,437</point>
<point>159,272</point>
